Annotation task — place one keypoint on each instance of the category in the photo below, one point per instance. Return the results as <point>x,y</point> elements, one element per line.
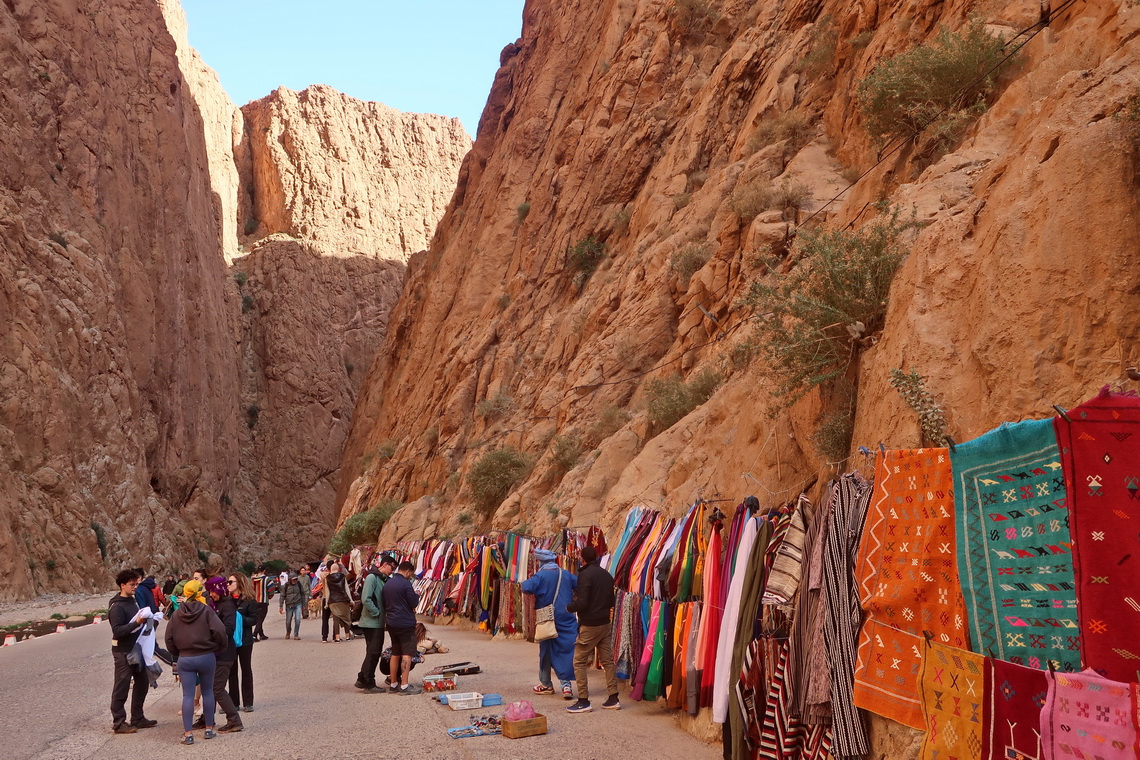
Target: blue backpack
<point>238,626</point>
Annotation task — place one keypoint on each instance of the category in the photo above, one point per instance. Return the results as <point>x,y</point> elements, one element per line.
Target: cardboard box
<point>517,729</point>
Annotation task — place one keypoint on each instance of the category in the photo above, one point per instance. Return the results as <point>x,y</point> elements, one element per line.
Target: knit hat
<point>545,555</point>
<point>217,585</point>
<point>193,590</point>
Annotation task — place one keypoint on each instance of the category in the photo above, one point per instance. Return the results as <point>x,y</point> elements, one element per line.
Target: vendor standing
<point>556,653</point>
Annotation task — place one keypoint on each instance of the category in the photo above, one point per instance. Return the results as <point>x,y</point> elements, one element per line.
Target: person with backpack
<point>372,622</point>
<point>227,611</point>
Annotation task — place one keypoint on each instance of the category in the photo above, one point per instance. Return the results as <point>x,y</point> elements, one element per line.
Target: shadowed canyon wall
<point>633,123</point>
<point>133,354</point>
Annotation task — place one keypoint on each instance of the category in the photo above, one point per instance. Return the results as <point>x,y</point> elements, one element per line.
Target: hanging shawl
<point>722,680</point>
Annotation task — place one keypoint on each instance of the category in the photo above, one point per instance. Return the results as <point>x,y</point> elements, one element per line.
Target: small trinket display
<point>440,683</point>
<point>480,725</point>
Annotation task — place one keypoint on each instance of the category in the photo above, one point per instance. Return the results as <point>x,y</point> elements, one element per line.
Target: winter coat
<point>594,597</point>
<point>400,601</point>
<point>227,613</point>
<point>372,600</point>
<point>336,589</point>
<point>292,595</point>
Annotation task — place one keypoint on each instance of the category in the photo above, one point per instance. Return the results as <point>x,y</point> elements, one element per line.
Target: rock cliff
<point>617,142</point>
<point>158,405</point>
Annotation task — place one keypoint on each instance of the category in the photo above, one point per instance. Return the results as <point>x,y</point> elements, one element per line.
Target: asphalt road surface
<point>55,696</point>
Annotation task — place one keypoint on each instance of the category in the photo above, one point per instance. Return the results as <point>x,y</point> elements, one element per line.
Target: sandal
<point>541,689</point>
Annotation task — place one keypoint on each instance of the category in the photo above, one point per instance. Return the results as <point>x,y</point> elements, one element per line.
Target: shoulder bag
<point>544,628</point>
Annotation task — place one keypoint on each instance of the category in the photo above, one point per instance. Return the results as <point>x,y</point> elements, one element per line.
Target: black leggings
<point>244,663</point>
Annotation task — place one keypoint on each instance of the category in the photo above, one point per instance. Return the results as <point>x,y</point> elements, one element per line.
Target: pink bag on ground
<point>521,710</point>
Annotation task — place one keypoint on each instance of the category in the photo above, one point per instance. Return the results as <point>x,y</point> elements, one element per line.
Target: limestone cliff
<point>632,123</point>
<point>158,406</point>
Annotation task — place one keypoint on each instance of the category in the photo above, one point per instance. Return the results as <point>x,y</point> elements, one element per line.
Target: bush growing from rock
<point>670,398</point>
<point>363,527</point>
<point>495,474</point>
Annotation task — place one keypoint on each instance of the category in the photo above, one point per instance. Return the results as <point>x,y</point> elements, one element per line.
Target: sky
<point>424,56</point>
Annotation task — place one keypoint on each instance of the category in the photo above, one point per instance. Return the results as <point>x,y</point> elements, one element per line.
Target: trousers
<point>591,637</point>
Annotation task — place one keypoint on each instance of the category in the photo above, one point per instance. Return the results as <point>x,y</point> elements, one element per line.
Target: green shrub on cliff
<point>363,527</point>
<point>940,85</point>
<point>496,474</point>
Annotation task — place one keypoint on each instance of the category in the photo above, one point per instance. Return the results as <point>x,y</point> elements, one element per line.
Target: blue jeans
<point>293,619</point>
<point>192,671</point>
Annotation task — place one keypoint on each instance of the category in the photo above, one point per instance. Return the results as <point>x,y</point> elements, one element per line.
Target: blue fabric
<point>559,651</point>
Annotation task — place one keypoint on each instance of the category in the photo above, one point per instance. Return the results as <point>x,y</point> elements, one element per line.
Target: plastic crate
<point>468,700</point>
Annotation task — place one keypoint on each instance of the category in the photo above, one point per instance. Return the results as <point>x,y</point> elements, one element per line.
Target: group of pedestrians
<point>388,604</point>
<point>209,640</point>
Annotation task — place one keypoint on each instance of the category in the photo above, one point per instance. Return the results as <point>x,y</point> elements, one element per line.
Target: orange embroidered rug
<point>887,673</point>
<point>907,573</point>
<point>953,691</point>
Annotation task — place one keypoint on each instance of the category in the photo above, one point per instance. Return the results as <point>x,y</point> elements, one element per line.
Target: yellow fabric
<point>193,590</point>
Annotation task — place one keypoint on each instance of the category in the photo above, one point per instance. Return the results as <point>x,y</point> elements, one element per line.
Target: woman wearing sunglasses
<point>241,591</point>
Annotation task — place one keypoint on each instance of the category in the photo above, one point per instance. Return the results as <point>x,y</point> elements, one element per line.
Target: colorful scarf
<point>1014,553</point>
<point>1100,441</point>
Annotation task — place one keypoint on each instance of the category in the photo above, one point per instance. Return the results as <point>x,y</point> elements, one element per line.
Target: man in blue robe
<point>556,653</point>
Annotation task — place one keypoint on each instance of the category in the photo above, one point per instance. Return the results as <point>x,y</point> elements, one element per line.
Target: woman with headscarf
<point>559,651</point>
<point>226,608</point>
<point>338,600</point>
<point>241,590</point>
<point>193,636</point>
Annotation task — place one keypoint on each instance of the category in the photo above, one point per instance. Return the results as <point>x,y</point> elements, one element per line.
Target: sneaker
<point>247,708</point>
<point>199,722</point>
<point>361,685</point>
<point>231,728</point>
<point>186,740</point>
<point>567,691</point>
<point>581,706</point>
<point>541,689</point>
<point>296,637</point>
<point>612,703</point>
<point>125,728</point>
<point>377,690</point>
<point>210,734</point>
<point>144,723</point>
<point>412,689</point>
<point>392,688</point>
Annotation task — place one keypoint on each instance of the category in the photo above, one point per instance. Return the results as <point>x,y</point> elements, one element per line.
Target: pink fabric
<point>1088,716</point>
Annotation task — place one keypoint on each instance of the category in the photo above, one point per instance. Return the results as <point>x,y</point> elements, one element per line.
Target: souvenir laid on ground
<point>481,725</point>
<point>456,668</point>
<point>489,700</point>
<point>440,683</point>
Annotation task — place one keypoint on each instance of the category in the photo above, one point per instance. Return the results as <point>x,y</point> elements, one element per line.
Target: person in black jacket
<point>226,608</point>
<point>241,590</point>
<point>400,602</point>
<point>126,620</point>
<point>594,602</point>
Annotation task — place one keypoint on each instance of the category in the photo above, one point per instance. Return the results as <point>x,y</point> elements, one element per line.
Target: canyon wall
<point>119,421</point>
<point>634,124</point>
<point>161,406</point>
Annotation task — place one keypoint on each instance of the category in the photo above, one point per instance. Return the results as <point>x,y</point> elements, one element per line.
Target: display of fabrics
<point>953,695</point>
<point>1100,443</point>
<point>1014,558</point>
<point>1012,717</point>
<point>1088,716</point>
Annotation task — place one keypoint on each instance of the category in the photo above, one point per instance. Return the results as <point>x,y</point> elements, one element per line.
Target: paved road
<point>55,691</point>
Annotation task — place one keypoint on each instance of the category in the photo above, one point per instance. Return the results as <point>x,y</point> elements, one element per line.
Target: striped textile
<point>844,616</point>
<point>807,621</point>
<point>787,567</point>
<point>783,736</point>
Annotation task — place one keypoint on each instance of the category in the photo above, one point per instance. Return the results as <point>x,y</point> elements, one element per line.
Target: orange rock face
<point>636,125</point>
<point>131,360</point>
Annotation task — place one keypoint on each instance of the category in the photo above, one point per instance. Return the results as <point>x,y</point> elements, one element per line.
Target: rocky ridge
<point>135,354</point>
<point>634,124</point>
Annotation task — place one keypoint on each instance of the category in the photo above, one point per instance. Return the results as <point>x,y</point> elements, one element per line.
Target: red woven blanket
<point>1100,453</point>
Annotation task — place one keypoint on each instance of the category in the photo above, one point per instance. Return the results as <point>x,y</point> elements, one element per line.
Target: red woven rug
<point>1100,452</point>
<point>1014,698</point>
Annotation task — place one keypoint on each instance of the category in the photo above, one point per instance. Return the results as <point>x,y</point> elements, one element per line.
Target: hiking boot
<point>612,703</point>
<point>231,728</point>
<point>581,706</point>
<point>199,722</point>
<point>412,689</point>
<point>125,728</point>
<point>144,723</point>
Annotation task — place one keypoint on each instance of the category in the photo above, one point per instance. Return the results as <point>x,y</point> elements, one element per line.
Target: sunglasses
<point>231,582</point>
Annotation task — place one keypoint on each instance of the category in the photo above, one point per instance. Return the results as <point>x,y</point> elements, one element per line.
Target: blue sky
<point>427,56</point>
